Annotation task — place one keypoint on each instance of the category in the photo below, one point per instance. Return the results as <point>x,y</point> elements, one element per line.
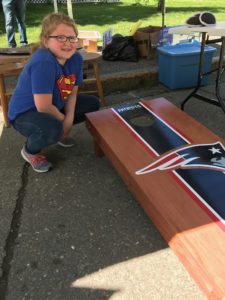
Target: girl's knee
<point>87,103</point>
<point>94,103</point>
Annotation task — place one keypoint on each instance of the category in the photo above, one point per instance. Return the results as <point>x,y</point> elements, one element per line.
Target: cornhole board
<point>174,167</point>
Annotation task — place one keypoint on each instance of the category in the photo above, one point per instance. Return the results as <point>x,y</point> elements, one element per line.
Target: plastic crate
<point>178,64</point>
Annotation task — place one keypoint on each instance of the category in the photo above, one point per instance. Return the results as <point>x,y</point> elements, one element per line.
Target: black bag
<point>121,48</point>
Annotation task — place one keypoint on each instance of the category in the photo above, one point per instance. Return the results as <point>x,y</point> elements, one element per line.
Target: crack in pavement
<point>13,234</point>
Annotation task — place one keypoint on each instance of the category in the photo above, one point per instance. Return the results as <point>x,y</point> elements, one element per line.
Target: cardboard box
<point>87,39</point>
<point>147,39</point>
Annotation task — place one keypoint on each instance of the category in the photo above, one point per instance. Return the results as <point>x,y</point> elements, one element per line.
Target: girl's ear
<point>44,42</point>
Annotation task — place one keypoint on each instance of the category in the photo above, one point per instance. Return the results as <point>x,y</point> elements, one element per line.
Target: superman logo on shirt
<point>65,85</point>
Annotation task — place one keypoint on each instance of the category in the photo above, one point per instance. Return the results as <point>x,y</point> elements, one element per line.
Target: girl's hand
<point>67,125</point>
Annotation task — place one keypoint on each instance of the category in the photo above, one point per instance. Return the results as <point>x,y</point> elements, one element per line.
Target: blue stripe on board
<point>209,184</point>
<point>152,130</point>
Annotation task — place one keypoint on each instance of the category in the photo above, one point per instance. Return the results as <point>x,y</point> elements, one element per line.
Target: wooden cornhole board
<point>183,187</point>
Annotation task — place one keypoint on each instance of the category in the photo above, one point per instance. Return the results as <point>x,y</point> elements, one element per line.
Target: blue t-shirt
<point>44,75</point>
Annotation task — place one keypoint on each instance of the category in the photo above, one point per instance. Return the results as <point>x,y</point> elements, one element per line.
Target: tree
<point>161,5</point>
<point>162,9</point>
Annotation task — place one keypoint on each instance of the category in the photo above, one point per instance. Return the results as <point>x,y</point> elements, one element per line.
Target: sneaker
<point>207,18</point>
<point>66,142</point>
<point>38,162</point>
<point>23,45</point>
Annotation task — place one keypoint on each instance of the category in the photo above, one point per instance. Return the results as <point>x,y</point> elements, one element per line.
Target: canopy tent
<point>69,7</point>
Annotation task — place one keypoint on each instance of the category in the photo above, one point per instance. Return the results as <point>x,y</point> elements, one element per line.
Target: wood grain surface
<point>189,230</point>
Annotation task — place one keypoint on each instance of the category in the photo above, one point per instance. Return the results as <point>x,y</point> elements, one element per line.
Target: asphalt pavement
<point>76,232</point>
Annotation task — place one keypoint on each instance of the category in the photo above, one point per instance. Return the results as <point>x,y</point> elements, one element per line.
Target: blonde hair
<point>50,23</point>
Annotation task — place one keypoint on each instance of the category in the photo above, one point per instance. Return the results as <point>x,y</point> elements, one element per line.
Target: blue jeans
<point>42,129</point>
<point>14,10</point>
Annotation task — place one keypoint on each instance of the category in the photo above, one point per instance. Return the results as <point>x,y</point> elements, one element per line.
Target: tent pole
<point>163,10</point>
<point>55,6</point>
<point>70,8</point>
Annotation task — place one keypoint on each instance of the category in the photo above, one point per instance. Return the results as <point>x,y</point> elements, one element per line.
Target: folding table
<point>218,32</point>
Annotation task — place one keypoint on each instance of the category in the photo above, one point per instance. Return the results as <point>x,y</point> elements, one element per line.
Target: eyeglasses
<point>63,38</point>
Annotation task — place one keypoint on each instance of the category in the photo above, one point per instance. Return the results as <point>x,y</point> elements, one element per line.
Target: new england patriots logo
<point>204,156</point>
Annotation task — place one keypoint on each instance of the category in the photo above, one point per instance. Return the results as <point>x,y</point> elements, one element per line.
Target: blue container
<point>178,64</point>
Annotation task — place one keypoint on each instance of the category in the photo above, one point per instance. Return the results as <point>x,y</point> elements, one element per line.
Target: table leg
<point>4,102</point>
<point>221,93</point>
<point>220,100</point>
<point>98,83</point>
<point>200,73</point>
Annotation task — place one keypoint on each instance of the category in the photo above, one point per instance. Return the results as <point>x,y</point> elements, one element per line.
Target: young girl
<point>45,103</point>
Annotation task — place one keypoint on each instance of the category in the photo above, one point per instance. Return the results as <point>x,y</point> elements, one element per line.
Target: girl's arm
<point>43,103</point>
<point>69,111</point>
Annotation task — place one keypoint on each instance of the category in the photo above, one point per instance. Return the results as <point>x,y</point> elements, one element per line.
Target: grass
<point>121,17</point>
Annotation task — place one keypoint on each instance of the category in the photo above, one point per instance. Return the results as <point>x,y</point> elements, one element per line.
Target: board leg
<point>98,150</point>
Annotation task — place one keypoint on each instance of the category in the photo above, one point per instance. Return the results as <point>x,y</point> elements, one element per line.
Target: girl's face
<point>62,50</point>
